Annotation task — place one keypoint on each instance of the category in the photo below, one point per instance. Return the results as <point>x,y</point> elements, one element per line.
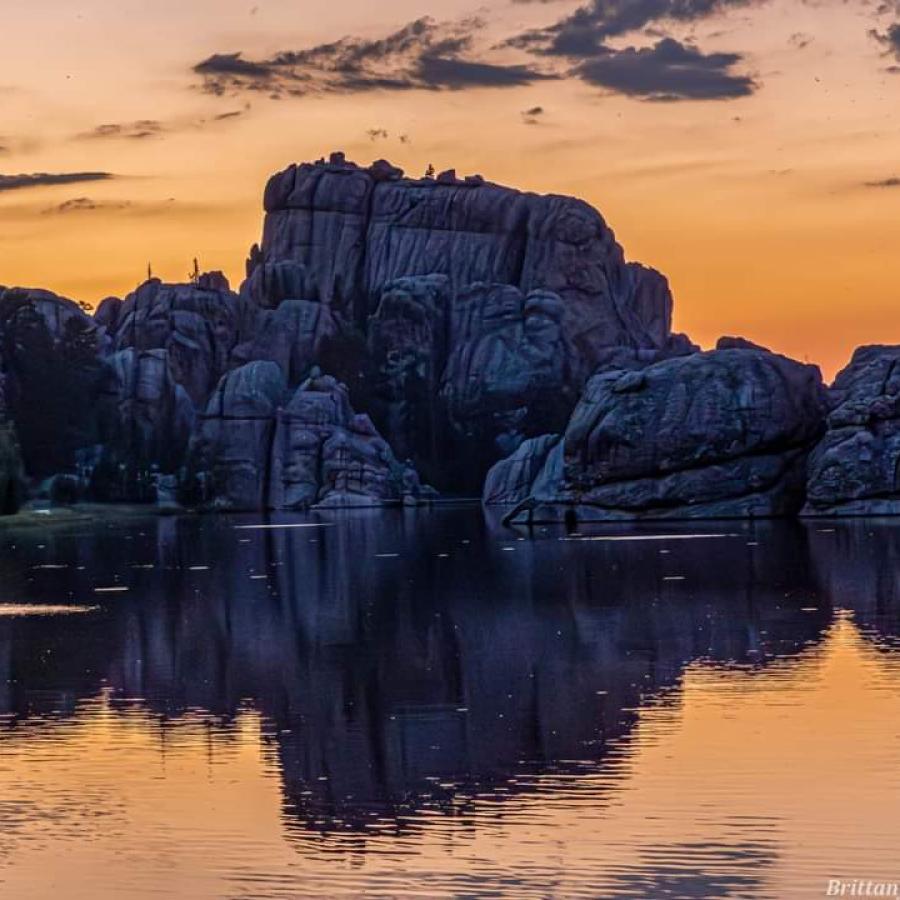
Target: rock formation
<point>856,467</point>
<point>260,446</point>
<point>718,434</point>
<point>483,309</point>
<point>485,340</point>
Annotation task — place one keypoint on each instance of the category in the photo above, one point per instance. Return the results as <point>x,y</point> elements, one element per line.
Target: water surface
<point>424,704</point>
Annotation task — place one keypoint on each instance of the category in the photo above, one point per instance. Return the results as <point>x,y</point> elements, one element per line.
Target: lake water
<point>425,704</point>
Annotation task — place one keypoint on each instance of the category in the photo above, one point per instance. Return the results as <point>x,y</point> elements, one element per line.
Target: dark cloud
<point>891,182</point>
<point>423,55</point>
<point>584,33</point>
<point>220,64</point>
<point>448,72</point>
<point>43,179</point>
<point>889,39</point>
<point>667,71</point>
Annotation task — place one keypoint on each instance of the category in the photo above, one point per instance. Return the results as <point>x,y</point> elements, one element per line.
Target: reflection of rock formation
<point>855,563</point>
<point>377,672</point>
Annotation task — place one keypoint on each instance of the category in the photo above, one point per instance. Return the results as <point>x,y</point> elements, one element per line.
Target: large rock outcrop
<point>855,469</point>
<point>149,423</point>
<point>198,325</point>
<point>260,445</point>
<point>719,434</point>
<point>232,448</point>
<point>466,316</point>
<point>494,341</point>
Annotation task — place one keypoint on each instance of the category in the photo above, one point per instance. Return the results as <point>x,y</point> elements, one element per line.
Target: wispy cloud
<point>85,204</point>
<point>423,55</point>
<point>143,128</point>
<point>889,39</point>
<point>44,179</point>
<point>584,33</point>
<point>892,182</point>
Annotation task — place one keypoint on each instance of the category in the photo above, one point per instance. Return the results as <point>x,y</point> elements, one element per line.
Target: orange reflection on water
<point>745,782</point>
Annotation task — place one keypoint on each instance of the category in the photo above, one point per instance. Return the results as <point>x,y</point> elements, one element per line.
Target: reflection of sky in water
<point>462,721</point>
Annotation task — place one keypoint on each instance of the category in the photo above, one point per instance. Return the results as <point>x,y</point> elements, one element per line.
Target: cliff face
<point>856,468</point>
<point>483,309</point>
<point>472,336</point>
<point>341,235</point>
<point>719,434</point>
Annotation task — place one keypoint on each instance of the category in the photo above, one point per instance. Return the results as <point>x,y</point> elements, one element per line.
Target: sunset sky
<point>749,150</point>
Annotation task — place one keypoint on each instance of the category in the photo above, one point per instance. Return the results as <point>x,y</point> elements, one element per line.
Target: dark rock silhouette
<point>856,467</point>
<point>718,434</point>
<point>495,341</point>
<point>484,309</point>
<point>259,446</point>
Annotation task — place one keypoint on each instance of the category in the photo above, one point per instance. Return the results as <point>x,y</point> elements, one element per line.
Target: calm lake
<point>425,704</point>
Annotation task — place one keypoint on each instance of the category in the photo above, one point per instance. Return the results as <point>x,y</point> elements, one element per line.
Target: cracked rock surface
<point>719,434</point>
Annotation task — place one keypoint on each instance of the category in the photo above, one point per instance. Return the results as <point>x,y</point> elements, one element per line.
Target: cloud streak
<point>584,33</point>
<point>85,204</point>
<point>892,182</point>
<point>423,55</point>
<point>45,179</point>
<point>430,55</point>
<point>143,128</point>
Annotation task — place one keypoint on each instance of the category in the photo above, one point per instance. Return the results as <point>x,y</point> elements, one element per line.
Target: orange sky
<point>757,208</point>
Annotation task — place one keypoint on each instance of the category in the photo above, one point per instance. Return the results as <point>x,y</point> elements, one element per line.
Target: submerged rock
<point>719,434</point>
<point>855,469</point>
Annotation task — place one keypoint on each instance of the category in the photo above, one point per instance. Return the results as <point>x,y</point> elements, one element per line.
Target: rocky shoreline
<point>401,339</point>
